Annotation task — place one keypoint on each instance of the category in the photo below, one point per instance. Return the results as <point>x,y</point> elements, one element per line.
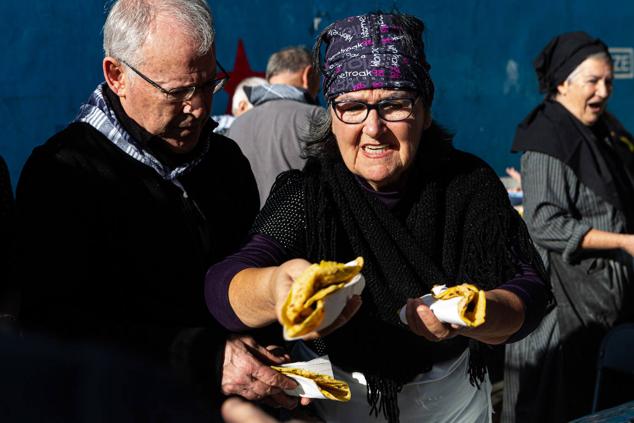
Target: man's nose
<point>199,104</point>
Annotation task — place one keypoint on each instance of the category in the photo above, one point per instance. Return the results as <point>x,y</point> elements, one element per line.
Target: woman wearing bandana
<point>578,181</point>
<point>383,181</point>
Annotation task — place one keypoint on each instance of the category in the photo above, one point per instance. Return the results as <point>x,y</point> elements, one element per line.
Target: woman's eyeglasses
<point>176,95</point>
<point>390,109</point>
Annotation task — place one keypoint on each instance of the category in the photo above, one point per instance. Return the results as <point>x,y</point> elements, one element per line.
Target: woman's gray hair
<point>318,140</point>
<point>597,56</point>
<point>130,22</point>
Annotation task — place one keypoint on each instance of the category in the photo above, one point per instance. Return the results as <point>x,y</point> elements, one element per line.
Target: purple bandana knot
<point>376,51</point>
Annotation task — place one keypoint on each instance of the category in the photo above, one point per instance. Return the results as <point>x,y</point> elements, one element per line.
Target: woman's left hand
<point>504,317</point>
<point>423,322</point>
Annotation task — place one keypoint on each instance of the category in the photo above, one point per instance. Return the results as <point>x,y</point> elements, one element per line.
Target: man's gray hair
<point>239,94</point>
<point>130,22</point>
<point>290,59</point>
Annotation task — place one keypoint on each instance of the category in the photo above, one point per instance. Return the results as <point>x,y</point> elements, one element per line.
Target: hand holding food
<point>311,303</point>
<point>462,305</point>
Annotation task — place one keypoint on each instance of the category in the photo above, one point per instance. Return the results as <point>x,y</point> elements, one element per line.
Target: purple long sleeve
<point>259,251</point>
<point>532,290</point>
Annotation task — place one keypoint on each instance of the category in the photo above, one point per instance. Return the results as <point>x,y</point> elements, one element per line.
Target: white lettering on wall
<point>623,58</point>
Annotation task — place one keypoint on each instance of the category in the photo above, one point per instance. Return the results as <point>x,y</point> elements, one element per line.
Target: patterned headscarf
<point>375,51</point>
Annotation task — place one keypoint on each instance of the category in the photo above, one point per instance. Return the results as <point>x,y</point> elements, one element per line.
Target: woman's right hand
<point>281,281</point>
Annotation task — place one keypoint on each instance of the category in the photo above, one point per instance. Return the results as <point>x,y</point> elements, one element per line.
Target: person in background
<point>8,292</point>
<point>284,110</point>
<point>578,181</point>
<point>516,177</point>
<point>123,211</point>
<point>44,380</point>
<point>384,182</point>
<point>239,104</point>
<point>513,184</point>
<point>236,410</point>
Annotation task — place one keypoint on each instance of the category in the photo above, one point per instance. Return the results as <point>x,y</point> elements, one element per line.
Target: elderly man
<point>239,104</point>
<point>122,212</point>
<point>284,109</point>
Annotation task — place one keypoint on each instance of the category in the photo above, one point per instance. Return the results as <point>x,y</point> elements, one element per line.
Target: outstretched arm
<point>256,294</point>
<point>247,289</point>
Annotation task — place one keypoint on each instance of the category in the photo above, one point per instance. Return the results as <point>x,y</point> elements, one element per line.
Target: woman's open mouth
<point>375,150</point>
<point>596,106</point>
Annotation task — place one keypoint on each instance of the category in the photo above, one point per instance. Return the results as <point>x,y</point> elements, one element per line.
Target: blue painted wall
<point>480,51</point>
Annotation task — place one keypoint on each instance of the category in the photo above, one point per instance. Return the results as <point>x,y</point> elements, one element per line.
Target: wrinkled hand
<point>246,372</point>
<point>283,279</point>
<point>423,322</point>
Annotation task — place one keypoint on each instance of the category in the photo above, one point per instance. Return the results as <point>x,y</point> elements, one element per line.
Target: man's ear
<point>114,75</point>
<point>243,106</point>
<point>310,80</point>
<point>306,76</point>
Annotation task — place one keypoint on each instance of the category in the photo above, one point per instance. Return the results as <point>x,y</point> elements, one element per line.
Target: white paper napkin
<point>335,302</point>
<point>307,388</point>
<point>447,311</point>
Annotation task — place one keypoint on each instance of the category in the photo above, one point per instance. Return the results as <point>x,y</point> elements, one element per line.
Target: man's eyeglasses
<point>176,95</point>
<point>390,109</point>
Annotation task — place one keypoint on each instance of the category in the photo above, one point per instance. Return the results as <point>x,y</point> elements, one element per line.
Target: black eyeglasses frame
<point>376,106</point>
<point>172,95</point>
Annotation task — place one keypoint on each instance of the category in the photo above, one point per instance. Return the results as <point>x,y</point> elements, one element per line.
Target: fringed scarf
<point>454,225</point>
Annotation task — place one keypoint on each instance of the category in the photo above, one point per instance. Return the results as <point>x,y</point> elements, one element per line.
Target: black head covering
<point>562,55</point>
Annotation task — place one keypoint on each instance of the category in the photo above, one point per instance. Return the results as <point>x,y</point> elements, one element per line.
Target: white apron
<point>442,395</point>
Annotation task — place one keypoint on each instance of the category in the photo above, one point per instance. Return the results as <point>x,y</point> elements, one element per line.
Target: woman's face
<point>376,150</point>
<point>586,94</point>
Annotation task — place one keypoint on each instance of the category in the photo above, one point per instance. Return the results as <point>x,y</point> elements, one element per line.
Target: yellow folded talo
<point>303,309</point>
<point>472,306</point>
<point>331,388</point>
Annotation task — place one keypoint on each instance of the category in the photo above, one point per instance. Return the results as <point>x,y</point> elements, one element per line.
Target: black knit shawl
<point>454,225</point>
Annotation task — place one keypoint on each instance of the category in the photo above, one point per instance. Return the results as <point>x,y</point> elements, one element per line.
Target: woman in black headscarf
<point>578,181</point>
<point>383,181</point>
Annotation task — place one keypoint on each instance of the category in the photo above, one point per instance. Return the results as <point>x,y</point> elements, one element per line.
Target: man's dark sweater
<point>112,253</point>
